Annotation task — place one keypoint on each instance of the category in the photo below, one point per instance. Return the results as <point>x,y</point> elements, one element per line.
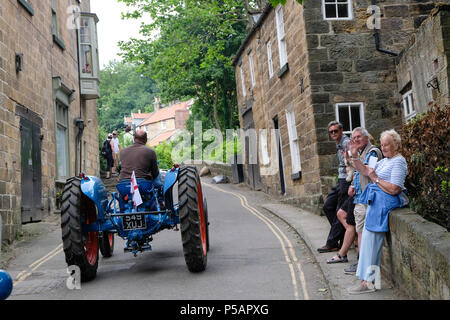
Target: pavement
<point>312,228</point>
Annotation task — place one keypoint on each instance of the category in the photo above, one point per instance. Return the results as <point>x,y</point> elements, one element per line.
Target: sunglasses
<point>333,131</point>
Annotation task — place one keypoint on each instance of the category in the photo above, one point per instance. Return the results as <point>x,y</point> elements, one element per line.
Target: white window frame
<point>252,70</point>
<point>408,105</point>
<point>244,91</point>
<point>281,35</point>
<point>269,59</point>
<point>336,2</point>
<point>163,124</point>
<point>349,105</point>
<point>293,142</point>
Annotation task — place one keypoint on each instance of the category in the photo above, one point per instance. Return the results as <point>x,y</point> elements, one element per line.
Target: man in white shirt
<point>116,150</point>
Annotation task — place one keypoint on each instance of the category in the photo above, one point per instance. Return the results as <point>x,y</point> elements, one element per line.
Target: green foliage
<point>188,48</point>
<point>164,155</point>
<point>123,89</point>
<point>274,3</point>
<point>425,145</point>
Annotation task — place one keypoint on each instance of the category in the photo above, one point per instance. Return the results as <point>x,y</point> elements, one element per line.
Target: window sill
<point>296,176</point>
<point>283,70</point>
<point>26,6</point>
<point>59,42</point>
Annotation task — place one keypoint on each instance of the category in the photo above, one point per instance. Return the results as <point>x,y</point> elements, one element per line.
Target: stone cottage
<point>49,80</point>
<point>302,66</point>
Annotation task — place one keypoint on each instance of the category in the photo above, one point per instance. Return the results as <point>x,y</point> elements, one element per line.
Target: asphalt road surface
<point>253,255</point>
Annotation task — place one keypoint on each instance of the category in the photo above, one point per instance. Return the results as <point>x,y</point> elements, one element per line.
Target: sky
<point>111,28</point>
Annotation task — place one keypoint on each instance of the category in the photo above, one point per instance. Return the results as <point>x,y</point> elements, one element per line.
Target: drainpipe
<point>377,36</point>
<point>79,123</point>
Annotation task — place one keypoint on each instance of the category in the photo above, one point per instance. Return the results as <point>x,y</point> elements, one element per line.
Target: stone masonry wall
<point>416,256</point>
<point>426,57</point>
<point>272,96</point>
<point>31,88</point>
<point>346,67</point>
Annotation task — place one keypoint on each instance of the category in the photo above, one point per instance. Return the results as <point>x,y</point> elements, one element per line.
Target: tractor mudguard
<point>95,190</point>
<point>170,179</point>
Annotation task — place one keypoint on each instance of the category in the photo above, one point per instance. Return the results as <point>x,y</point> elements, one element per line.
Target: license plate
<point>134,221</point>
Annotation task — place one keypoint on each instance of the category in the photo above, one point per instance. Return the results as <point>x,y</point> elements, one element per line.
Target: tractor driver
<point>141,159</point>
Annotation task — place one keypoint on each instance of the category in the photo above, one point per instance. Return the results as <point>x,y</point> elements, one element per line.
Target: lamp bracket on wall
<point>433,83</point>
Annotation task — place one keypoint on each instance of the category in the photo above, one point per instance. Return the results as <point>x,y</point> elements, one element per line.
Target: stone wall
<point>416,256</point>
<point>426,57</point>
<point>31,89</point>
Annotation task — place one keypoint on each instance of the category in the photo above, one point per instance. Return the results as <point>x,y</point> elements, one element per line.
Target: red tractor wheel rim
<point>110,239</point>
<point>91,245</point>
<point>201,213</point>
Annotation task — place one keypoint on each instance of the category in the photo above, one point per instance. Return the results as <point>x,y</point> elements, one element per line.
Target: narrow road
<point>253,255</point>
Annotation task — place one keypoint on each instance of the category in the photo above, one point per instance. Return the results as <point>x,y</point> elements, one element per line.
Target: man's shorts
<point>360,216</point>
<point>348,206</point>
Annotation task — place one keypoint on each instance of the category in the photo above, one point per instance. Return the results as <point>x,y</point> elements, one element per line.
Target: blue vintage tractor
<point>90,219</point>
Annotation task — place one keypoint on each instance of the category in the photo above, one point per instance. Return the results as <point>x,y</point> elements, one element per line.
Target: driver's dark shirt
<point>139,158</point>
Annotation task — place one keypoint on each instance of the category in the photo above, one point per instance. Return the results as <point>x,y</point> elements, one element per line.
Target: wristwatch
<point>377,181</point>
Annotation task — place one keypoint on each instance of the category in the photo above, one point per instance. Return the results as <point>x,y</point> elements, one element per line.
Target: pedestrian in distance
<point>107,153</point>
<point>116,151</point>
<point>127,137</point>
<point>385,193</point>
<point>338,194</point>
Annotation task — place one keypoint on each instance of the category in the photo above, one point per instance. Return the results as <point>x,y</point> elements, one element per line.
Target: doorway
<point>31,173</point>
<point>280,155</point>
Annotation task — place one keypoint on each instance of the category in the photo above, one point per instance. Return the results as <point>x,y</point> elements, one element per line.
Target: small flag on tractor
<point>137,200</point>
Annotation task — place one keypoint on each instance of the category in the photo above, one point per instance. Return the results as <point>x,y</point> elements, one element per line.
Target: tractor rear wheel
<point>80,247</point>
<point>192,219</point>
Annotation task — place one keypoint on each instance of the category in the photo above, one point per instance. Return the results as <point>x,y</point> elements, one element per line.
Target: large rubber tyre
<point>80,248</point>
<point>192,219</point>
<point>106,243</point>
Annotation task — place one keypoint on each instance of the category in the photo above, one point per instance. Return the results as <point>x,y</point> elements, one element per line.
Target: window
<point>163,124</point>
<point>269,59</point>
<point>281,36</point>
<point>408,105</point>
<point>252,71</point>
<point>263,147</point>
<point>337,9</point>
<point>351,115</point>
<point>85,47</point>
<point>244,93</point>
<point>62,140</point>
<point>55,28</point>
<point>293,142</point>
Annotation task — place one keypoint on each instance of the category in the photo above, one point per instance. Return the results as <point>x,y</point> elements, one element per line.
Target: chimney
<point>139,111</point>
<point>157,104</point>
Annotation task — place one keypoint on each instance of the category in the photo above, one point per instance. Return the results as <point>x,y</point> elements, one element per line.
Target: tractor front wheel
<point>193,220</point>
<point>80,246</point>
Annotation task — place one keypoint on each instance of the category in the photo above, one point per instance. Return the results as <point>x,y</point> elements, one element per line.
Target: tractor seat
<point>124,188</point>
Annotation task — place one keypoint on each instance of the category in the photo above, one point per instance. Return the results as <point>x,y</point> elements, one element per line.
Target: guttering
<point>377,37</point>
<point>251,32</point>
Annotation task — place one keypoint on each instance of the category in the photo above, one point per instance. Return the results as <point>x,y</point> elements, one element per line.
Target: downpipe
<point>377,34</point>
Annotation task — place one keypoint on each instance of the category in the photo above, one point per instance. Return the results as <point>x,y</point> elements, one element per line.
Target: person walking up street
<point>338,194</point>
<point>107,153</point>
<point>127,137</point>
<point>116,151</point>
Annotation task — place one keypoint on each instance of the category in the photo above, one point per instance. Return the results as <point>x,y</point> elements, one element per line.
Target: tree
<point>123,90</point>
<point>191,54</point>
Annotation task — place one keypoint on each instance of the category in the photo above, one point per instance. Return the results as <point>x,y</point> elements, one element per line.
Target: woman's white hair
<point>394,136</point>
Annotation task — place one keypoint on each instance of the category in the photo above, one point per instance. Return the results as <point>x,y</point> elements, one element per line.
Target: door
<point>251,152</point>
<point>30,151</point>
<point>280,156</point>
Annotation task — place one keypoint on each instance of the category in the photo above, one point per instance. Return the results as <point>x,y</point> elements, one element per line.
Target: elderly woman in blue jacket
<point>384,194</point>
